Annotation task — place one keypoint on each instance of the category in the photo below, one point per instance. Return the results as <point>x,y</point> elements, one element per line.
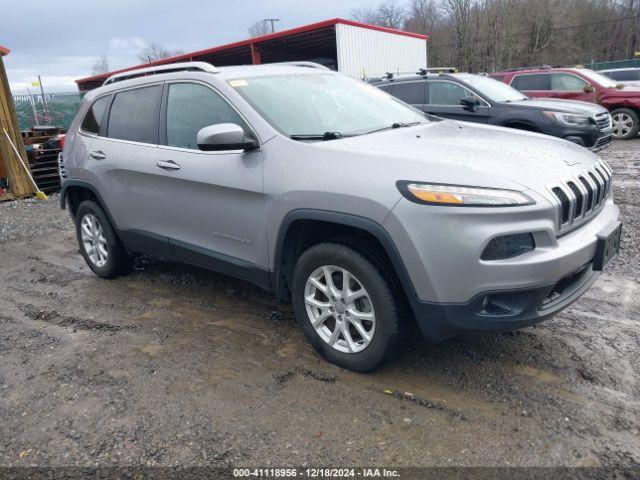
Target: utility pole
<point>272,21</point>
<point>33,108</point>
<point>47,118</point>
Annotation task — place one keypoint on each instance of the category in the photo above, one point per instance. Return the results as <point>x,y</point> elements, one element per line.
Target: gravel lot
<point>177,366</point>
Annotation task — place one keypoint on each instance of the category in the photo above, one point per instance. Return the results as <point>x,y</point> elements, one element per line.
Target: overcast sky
<point>62,40</point>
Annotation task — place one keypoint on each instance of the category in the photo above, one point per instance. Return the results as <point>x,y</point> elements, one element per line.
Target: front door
<point>212,202</point>
<point>571,87</point>
<point>443,100</point>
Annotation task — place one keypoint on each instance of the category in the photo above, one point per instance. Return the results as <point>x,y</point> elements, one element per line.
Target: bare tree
<point>259,28</point>
<point>101,65</point>
<point>154,52</point>
<point>391,14</point>
<point>365,15</point>
<point>388,14</point>
<point>422,16</point>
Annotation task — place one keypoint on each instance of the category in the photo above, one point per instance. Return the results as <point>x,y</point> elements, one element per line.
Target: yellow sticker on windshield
<point>238,83</point>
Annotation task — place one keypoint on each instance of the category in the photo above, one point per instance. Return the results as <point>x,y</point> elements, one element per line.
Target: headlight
<point>568,118</point>
<point>462,196</point>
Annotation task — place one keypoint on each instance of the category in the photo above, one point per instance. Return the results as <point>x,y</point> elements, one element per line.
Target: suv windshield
<point>324,105</point>
<point>598,78</point>
<point>493,89</point>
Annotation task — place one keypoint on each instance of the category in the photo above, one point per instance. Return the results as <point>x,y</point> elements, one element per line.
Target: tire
<point>108,258</point>
<point>625,123</point>
<point>375,342</point>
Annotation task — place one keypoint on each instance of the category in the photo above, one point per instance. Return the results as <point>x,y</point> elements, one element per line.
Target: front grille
<point>581,197</point>
<point>602,142</point>
<point>63,172</point>
<point>603,120</point>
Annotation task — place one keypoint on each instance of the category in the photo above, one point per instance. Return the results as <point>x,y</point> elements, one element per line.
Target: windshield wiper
<point>395,125</point>
<point>315,136</point>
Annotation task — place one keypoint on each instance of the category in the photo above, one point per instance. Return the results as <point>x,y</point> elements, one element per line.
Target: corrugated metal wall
<point>365,52</point>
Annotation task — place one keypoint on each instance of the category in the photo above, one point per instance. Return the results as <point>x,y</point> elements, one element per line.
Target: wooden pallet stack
<point>12,168</point>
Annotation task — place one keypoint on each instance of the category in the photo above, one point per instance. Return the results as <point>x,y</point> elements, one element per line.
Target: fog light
<point>508,246</point>
<point>496,305</point>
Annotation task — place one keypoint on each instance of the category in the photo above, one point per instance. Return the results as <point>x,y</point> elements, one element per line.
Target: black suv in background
<point>480,99</point>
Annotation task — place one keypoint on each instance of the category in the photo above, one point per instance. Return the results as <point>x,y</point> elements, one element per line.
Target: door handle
<point>97,155</point>
<point>168,165</point>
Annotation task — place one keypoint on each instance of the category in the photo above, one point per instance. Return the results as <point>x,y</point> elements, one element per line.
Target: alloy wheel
<point>622,124</point>
<point>93,240</point>
<point>340,309</point>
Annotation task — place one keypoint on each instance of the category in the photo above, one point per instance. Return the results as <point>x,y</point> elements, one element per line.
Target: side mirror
<point>224,136</point>
<point>587,88</point>
<point>469,103</point>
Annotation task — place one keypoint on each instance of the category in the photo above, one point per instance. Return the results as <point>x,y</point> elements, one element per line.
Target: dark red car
<point>581,84</point>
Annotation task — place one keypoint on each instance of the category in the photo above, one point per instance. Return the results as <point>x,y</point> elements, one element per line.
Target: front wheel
<point>625,123</point>
<point>346,307</point>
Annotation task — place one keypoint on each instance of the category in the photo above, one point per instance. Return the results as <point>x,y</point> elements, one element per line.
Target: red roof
<point>254,41</point>
<point>4,51</point>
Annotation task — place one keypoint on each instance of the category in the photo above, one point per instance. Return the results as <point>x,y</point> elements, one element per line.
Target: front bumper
<point>442,249</point>
<point>522,308</point>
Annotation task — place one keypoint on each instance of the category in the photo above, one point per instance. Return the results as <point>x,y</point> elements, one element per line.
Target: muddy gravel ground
<point>176,366</point>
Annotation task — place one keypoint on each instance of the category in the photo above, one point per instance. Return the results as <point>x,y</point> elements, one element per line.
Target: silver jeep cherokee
<point>366,214</point>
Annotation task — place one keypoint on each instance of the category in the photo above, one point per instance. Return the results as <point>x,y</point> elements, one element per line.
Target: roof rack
<point>168,68</point>
<point>301,64</point>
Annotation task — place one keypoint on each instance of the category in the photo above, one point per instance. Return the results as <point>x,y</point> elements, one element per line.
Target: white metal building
<point>353,48</point>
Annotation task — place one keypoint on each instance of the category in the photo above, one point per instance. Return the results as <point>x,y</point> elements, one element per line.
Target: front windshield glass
<point>318,103</point>
<point>493,89</point>
<point>598,78</point>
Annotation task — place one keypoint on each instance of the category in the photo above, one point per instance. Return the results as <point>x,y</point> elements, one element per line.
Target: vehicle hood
<point>467,154</point>
<point>629,91</point>
<point>567,106</point>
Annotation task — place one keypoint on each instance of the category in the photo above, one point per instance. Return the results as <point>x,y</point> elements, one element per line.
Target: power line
<point>554,29</point>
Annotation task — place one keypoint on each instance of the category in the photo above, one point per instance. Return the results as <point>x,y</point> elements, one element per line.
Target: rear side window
<point>93,119</point>
<point>412,93</point>
<point>134,115</point>
<point>447,93</point>
<point>190,107</point>
<point>500,78</point>
<point>541,81</point>
<point>566,82</point>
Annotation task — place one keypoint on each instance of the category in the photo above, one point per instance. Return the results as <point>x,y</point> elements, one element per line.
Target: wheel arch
<point>74,192</point>
<point>522,124</point>
<point>300,229</point>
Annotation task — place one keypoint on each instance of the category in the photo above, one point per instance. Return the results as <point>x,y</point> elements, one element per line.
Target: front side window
<point>317,103</point>
<point>134,115</point>
<point>93,119</point>
<point>541,81</point>
<point>412,93</point>
<point>447,93</point>
<point>566,82</point>
<point>191,107</point>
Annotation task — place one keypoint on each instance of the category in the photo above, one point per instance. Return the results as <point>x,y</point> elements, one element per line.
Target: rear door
<point>443,100</point>
<point>533,84</point>
<point>411,92</point>
<point>124,163</point>
<point>212,202</point>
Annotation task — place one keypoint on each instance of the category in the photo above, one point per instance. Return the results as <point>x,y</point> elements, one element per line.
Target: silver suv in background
<point>366,214</point>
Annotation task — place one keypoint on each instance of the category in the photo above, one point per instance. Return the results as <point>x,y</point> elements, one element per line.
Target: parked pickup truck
<point>480,99</point>
<point>581,84</point>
